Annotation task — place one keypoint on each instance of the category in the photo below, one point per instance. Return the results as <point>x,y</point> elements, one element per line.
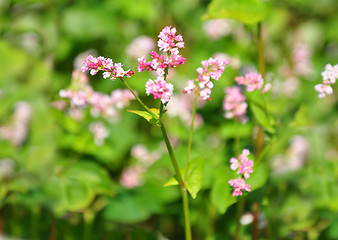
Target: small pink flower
<point>244,166</point>
<point>330,74</point>
<point>212,69</point>
<point>106,65</point>
<point>191,87</point>
<point>160,89</point>
<point>251,80</point>
<point>239,185</point>
<point>234,163</point>
<point>329,77</point>
<point>234,104</point>
<point>323,90</point>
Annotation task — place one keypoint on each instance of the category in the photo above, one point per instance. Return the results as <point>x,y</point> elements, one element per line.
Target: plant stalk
<point>185,199</point>
<point>139,100</point>
<point>240,208</point>
<point>190,136</point>
<point>260,134</point>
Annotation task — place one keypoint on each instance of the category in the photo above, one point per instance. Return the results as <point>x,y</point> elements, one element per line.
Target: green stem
<point>139,100</point>
<point>238,140</point>
<point>186,213</point>
<point>240,208</point>
<point>260,134</point>
<point>179,178</point>
<point>261,57</point>
<point>190,137</point>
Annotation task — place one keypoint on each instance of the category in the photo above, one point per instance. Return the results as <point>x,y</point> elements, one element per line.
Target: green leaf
<point>259,176</point>
<point>194,177</point>
<point>246,11</point>
<point>221,196</point>
<point>76,187</point>
<point>262,117</point>
<point>258,107</point>
<point>95,176</point>
<point>149,117</point>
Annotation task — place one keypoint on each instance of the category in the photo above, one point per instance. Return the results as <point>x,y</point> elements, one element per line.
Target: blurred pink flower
<point>132,176</point>
<point>99,131</point>
<point>251,80</point>
<point>217,28</point>
<point>140,46</point>
<point>234,104</point>
<point>81,95</point>
<point>16,131</point>
<point>301,57</point>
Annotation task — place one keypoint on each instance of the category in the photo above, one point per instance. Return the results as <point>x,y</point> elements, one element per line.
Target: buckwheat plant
<point>169,43</point>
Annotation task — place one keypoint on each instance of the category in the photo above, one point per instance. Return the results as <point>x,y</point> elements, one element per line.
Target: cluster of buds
<point>234,104</point>
<point>212,69</point>
<point>244,166</point>
<point>16,131</point>
<point>329,75</point>
<point>81,94</point>
<point>169,43</point>
<point>110,70</point>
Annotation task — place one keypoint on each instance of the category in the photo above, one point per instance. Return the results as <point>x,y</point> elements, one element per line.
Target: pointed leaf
<point>246,11</point>
<point>262,117</point>
<point>259,176</point>
<point>149,117</point>
<point>172,182</point>
<point>221,191</point>
<point>195,176</point>
<point>257,105</point>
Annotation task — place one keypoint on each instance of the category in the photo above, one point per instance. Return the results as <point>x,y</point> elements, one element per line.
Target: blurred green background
<point>56,182</point>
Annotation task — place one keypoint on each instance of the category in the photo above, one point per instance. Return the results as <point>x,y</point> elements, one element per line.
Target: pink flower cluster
<point>81,94</point>
<point>160,89</point>
<point>234,104</point>
<point>329,75</point>
<point>251,80</point>
<point>110,70</point>
<point>212,69</point>
<point>168,42</point>
<point>244,166</point>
